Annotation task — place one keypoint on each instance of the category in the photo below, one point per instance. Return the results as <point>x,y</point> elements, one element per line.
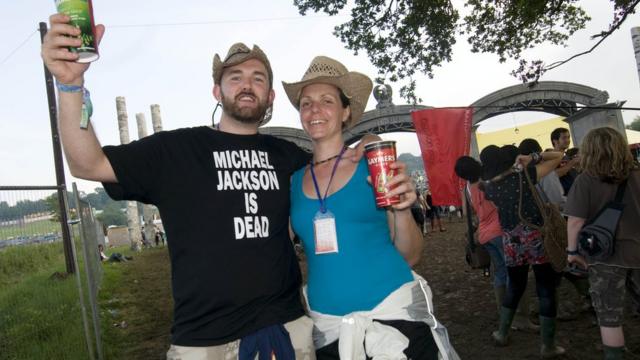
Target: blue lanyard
<point>323,200</point>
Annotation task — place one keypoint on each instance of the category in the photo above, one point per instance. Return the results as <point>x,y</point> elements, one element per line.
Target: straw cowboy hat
<point>355,86</point>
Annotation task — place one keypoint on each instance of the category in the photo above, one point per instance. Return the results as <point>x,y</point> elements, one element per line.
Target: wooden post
<point>133,219</point>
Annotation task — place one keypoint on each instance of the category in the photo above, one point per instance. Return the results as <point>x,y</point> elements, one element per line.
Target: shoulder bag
<point>596,239</point>
<point>475,254</point>
<point>553,228</point>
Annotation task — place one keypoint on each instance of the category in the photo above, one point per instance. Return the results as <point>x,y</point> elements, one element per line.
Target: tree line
<point>110,212</point>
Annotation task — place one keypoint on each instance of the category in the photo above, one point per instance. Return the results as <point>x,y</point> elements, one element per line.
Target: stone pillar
<point>156,119</point>
<point>147,210</point>
<point>586,119</point>
<point>133,219</point>
<point>635,39</point>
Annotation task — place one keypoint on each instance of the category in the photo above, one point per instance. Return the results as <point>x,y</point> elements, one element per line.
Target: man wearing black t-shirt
<point>223,195</point>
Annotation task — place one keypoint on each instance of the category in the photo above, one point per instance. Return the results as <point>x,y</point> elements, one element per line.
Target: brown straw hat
<point>355,86</point>
<point>237,54</point>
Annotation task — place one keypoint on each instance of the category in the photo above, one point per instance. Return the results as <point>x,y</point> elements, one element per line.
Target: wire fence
<point>45,312</point>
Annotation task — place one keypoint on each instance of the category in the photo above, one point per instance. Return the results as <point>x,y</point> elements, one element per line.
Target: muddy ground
<point>463,298</point>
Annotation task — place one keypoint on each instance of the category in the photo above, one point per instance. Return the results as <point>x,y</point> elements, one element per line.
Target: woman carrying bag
<point>523,243</point>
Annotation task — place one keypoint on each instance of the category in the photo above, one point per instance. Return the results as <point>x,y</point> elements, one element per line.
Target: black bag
<point>596,239</point>
<point>475,254</point>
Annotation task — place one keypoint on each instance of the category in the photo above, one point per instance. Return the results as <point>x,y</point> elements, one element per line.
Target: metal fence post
<point>59,165</point>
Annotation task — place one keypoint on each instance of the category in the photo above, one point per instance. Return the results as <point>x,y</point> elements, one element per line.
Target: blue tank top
<point>367,267</point>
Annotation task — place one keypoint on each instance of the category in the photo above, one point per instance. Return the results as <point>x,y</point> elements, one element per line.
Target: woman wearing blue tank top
<point>362,295</point>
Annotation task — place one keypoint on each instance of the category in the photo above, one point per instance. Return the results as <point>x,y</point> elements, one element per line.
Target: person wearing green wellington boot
<point>521,321</point>
<point>489,233</point>
<point>506,185</point>
<point>549,349</point>
<point>607,166</point>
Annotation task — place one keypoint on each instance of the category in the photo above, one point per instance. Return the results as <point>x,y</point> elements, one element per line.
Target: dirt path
<point>465,303</point>
<point>138,314</point>
<point>463,299</point>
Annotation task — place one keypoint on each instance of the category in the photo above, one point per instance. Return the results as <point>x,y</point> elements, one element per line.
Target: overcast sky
<point>170,65</point>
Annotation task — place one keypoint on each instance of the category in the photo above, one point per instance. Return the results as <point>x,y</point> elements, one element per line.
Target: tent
<point>540,131</point>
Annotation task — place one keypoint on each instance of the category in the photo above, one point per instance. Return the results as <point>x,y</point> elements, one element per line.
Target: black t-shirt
<point>505,194</point>
<point>224,202</point>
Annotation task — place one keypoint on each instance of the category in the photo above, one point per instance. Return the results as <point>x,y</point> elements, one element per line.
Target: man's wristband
<point>572,252</point>
<point>87,105</point>
<point>69,88</point>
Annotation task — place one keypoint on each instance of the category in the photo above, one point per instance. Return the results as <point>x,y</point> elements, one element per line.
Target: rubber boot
<point>549,349</point>
<point>613,353</point>
<point>499,293</point>
<point>522,321</point>
<point>501,336</point>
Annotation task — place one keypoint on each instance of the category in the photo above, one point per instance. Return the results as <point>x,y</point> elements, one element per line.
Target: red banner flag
<point>444,135</point>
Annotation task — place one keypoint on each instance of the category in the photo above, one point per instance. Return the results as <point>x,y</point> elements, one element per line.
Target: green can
<point>81,13</point>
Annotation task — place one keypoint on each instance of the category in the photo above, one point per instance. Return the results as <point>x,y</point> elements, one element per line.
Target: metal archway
<point>555,97</point>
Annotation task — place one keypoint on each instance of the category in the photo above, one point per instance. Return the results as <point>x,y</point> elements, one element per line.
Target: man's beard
<point>245,115</point>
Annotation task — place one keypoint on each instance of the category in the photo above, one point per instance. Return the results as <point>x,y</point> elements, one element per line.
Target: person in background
<point>103,256</point>
<point>434,213</point>
<point>550,186</point>
<point>114,257</point>
<point>419,211</point>
<point>157,236</point>
<point>490,235</point>
<point>574,153</point>
<point>523,247</point>
<point>552,191</point>
<point>607,164</point>
<point>489,230</point>
<point>560,140</point>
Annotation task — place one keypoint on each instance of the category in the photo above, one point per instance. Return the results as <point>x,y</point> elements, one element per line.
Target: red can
<point>380,155</point>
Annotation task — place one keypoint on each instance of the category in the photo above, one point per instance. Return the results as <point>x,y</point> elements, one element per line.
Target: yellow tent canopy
<point>541,131</point>
<point>633,137</point>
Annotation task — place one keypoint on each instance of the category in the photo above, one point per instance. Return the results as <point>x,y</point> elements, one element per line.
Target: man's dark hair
<point>468,168</point>
<point>528,146</point>
<point>555,134</point>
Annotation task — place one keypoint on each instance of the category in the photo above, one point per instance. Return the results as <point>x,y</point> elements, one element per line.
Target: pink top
<point>489,227</point>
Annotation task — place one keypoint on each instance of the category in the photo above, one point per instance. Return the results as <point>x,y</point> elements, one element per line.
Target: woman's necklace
<point>314,163</point>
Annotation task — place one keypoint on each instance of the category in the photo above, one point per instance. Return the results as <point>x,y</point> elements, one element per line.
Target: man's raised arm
<point>81,146</point>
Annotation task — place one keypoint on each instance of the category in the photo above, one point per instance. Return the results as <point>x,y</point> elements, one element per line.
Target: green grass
<point>40,318</point>
<point>40,314</point>
<point>40,227</point>
<point>18,262</point>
